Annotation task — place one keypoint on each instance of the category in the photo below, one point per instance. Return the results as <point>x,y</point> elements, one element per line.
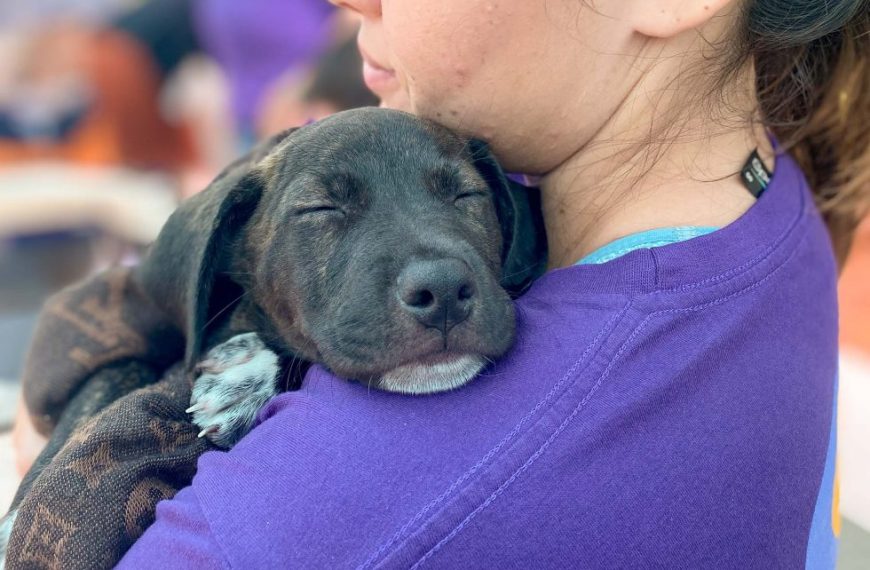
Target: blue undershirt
<point>644,240</point>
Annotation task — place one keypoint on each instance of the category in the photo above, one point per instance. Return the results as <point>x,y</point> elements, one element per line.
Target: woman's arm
<point>181,539</point>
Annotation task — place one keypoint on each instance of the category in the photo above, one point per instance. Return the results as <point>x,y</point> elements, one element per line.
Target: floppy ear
<point>524,247</point>
<point>180,268</point>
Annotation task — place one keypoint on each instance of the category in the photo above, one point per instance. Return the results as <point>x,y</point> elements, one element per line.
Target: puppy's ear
<point>524,248</point>
<point>180,269</point>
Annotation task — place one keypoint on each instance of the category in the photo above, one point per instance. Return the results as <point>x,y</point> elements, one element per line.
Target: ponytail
<point>812,64</point>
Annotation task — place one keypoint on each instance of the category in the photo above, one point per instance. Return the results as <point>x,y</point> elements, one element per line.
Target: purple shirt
<point>670,408</point>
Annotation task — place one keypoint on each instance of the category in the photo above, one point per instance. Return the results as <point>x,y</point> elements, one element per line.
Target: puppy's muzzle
<point>438,293</point>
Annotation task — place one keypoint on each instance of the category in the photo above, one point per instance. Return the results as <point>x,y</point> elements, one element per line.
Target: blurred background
<point>111,111</point>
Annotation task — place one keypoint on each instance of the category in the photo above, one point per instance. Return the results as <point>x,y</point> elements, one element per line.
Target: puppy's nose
<point>438,293</point>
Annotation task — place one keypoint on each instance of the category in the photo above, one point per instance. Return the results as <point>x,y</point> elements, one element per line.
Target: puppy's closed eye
<point>323,209</point>
<point>470,195</point>
<point>454,183</point>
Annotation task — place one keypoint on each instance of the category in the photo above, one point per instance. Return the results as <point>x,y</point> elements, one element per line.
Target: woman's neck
<point>661,160</point>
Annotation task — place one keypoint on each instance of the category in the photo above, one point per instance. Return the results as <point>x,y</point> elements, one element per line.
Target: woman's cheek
<point>438,46</point>
<point>447,91</point>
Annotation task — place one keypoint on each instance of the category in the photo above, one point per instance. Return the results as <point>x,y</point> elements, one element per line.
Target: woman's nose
<point>365,8</point>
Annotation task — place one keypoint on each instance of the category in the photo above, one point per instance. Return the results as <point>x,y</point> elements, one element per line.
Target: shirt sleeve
<point>179,538</point>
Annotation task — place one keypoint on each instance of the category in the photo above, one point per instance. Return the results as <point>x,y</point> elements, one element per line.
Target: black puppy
<point>371,242</point>
<point>378,244</point>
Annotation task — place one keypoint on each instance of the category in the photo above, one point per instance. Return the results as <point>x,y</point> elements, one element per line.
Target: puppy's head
<point>372,242</point>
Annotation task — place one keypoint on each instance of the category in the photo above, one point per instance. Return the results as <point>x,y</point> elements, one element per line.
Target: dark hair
<point>338,79</point>
<point>812,64</point>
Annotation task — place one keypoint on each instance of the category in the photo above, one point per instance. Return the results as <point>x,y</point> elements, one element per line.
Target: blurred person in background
<point>92,91</point>
<point>334,84</point>
<point>83,90</point>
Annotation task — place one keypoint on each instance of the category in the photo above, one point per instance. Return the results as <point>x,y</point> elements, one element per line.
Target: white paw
<point>6,524</point>
<point>235,380</point>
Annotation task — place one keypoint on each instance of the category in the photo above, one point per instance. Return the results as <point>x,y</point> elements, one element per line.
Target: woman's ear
<point>668,18</point>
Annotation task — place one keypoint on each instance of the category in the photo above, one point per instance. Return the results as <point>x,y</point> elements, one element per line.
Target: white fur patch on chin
<point>431,378</point>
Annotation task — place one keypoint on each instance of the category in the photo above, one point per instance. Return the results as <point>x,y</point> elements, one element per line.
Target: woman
<point>670,407</point>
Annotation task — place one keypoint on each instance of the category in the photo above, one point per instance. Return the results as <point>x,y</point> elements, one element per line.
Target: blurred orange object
<point>855,294</point>
<point>125,125</point>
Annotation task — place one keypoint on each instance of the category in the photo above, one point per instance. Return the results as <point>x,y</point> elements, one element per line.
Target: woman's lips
<point>377,78</point>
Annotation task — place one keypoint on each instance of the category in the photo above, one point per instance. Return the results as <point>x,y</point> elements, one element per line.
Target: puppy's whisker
<point>288,374</point>
<point>294,367</point>
<point>222,311</point>
<point>519,271</point>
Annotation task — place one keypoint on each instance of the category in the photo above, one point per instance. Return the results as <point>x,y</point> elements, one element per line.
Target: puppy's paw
<point>234,382</point>
<point>6,524</point>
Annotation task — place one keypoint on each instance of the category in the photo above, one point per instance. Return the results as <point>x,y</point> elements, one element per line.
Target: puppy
<point>376,249</point>
<point>380,245</point>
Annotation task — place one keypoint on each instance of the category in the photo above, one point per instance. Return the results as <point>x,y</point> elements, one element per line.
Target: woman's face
<point>536,78</point>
